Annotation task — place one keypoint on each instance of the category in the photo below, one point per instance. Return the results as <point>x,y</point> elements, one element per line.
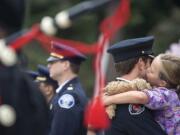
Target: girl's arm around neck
<point>135,97</point>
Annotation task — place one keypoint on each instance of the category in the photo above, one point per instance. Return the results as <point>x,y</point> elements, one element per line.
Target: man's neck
<point>66,78</point>
<point>128,77</point>
<point>131,76</point>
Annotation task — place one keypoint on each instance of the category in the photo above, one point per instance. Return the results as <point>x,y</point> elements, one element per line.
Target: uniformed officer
<point>70,100</point>
<point>46,84</point>
<point>132,57</point>
<point>32,74</point>
<point>23,109</point>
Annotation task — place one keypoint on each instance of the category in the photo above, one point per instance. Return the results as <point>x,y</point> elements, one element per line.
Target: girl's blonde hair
<point>170,70</point>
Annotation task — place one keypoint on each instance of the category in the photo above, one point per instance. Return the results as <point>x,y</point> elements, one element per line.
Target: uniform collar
<point>61,86</point>
<point>66,82</point>
<point>122,79</point>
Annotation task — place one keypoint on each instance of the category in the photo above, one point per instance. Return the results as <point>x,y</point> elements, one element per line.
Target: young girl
<point>164,75</point>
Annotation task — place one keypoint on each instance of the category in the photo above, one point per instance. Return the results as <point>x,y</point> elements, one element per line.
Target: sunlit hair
<point>170,71</point>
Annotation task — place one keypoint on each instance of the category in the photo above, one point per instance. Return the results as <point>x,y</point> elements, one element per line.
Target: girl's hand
<point>106,99</point>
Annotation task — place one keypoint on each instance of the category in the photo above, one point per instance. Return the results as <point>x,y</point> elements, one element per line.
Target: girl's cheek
<point>149,77</point>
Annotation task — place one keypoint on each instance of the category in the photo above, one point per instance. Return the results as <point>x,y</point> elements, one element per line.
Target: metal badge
<point>70,87</point>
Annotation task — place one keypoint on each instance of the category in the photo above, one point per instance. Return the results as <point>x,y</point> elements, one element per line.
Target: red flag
<point>95,115</point>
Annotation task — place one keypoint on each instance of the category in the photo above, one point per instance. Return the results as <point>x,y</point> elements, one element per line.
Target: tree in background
<point>160,18</point>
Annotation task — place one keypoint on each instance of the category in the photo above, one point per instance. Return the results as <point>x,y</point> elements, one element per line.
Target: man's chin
<point>52,77</point>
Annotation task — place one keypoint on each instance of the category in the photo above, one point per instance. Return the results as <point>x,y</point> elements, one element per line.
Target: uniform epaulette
<point>70,87</point>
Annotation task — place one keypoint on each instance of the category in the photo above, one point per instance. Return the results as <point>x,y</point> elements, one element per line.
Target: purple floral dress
<point>166,104</point>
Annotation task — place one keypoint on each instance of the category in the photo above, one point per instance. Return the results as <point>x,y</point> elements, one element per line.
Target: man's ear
<point>66,64</point>
<point>141,64</point>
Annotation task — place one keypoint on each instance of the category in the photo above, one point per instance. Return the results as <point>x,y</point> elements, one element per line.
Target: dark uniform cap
<point>63,52</point>
<point>42,75</point>
<point>32,74</point>
<point>132,48</point>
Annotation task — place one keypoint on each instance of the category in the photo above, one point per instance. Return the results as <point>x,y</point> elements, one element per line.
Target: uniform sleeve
<point>67,118</point>
<point>158,98</point>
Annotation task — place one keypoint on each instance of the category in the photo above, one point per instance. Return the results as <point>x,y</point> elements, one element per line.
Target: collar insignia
<point>70,87</point>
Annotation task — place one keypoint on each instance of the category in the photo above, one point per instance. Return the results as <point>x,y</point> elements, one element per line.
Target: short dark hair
<point>124,67</point>
<point>75,67</point>
<point>54,84</point>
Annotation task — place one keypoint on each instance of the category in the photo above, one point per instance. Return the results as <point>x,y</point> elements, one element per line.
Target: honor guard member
<point>70,99</point>
<point>132,57</point>
<point>33,74</point>
<point>47,85</point>
<point>23,109</point>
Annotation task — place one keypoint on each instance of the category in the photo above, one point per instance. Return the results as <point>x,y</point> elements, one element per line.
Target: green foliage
<point>148,17</point>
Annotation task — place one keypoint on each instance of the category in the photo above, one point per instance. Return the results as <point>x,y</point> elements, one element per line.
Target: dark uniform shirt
<point>133,119</point>
<point>67,110</point>
<point>128,122</point>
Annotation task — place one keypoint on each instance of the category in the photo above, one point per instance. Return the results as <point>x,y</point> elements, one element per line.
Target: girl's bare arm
<point>136,97</point>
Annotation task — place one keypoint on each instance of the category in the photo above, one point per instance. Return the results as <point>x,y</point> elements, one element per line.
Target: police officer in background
<point>33,74</point>
<point>46,84</point>
<point>70,99</point>
<point>132,57</point>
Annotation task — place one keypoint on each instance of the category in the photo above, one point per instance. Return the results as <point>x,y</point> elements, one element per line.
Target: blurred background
<point>160,18</point>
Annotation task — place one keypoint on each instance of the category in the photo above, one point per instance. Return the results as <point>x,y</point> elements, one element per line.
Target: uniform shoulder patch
<point>66,101</point>
<point>136,109</point>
